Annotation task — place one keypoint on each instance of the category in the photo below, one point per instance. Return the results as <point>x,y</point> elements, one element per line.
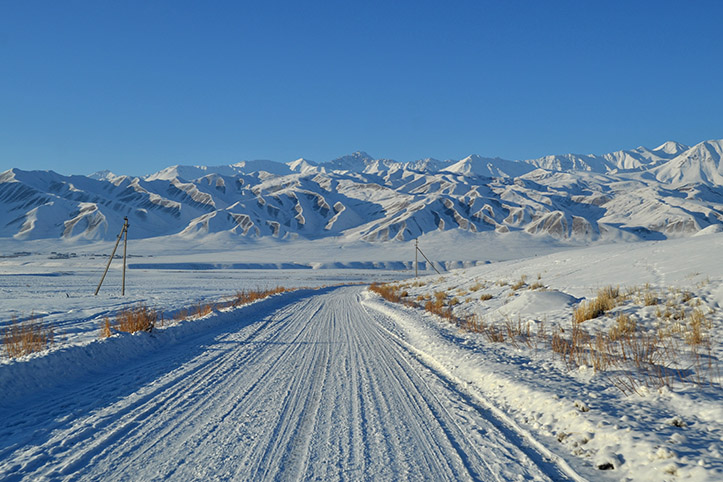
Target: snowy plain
<point>319,383</point>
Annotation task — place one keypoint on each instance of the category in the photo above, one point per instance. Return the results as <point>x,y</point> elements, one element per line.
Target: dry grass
<point>473,323</point>
<point>624,326</point>
<point>386,291</point>
<point>607,299</point>
<point>203,309</point>
<point>638,358</point>
<point>30,336</point>
<point>105,330</point>
<point>650,299</point>
<point>132,320</point>
<point>486,297</point>
<point>520,284</point>
<point>695,334</point>
<point>438,306</point>
<point>518,332</point>
<point>181,315</point>
<point>477,286</point>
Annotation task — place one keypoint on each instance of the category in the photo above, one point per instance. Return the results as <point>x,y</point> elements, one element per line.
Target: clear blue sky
<point>135,86</point>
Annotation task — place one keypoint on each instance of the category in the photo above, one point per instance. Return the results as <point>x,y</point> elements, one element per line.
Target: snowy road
<point>312,389</point>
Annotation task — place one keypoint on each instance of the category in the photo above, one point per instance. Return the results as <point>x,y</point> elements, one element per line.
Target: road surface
<point>315,388</point>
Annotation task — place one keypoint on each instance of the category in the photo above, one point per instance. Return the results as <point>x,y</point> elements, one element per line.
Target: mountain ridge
<point>672,190</point>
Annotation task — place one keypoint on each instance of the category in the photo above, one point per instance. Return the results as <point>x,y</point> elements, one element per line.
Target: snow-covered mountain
<point>672,190</point>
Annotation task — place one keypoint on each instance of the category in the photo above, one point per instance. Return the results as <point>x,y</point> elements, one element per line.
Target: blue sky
<point>135,86</point>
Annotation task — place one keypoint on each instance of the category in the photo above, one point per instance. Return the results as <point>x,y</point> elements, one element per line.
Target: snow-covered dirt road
<point>314,388</point>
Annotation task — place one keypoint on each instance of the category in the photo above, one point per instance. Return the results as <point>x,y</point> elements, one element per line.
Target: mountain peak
<point>356,156</point>
<point>302,165</point>
<point>671,147</point>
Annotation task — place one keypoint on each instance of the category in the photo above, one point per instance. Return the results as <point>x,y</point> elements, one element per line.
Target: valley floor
<point>335,383</point>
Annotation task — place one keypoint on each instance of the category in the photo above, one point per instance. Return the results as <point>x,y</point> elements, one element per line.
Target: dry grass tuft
<point>607,299</point>
<point>437,306</point>
<point>520,284</point>
<point>203,309</point>
<point>695,334</point>
<point>649,299</point>
<point>624,326</point>
<point>472,323</point>
<point>27,337</point>
<point>105,330</point>
<point>486,297</point>
<point>388,292</point>
<point>132,320</point>
<point>536,286</point>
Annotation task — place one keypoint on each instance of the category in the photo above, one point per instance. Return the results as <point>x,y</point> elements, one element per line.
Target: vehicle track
<point>316,389</point>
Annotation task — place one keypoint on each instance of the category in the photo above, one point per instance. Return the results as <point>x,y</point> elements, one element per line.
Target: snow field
<point>339,384</point>
<point>653,432</point>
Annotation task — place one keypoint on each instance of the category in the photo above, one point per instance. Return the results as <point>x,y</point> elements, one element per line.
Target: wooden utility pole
<point>123,231</point>
<point>416,245</point>
<point>125,248</point>
<point>416,249</point>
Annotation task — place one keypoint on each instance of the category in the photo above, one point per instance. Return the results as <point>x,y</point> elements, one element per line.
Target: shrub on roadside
<point>27,337</point>
<point>132,320</point>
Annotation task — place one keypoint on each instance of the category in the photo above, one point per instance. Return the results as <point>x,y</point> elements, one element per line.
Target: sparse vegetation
<point>386,291</point>
<point>33,335</point>
<point>477,286</point>
<point>652,357</point>
<point>244,297</point>
<point>624,326</point>
<point>606,300</point>
<point>24,338</point>
<point>649,299</point>
<point>132,320</point>
<point>105,330</point>
<point>203,309</point>
<point>520,283</point>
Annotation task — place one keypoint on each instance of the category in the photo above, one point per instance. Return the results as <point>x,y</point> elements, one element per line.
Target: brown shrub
<point>105,330</point>
<point>27,337</point>
<point>520,284</point>
<point>606,300</point>
<point>624,326</point>
<point>140,318</point>
<point>244,297</point>
<point>388,292</point>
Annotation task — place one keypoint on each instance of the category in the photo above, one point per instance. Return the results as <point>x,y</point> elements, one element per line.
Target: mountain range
<point>670,191</point>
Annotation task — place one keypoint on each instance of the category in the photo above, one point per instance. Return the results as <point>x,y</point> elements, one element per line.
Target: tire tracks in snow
<point>317,388</point>
<point>552,464</point>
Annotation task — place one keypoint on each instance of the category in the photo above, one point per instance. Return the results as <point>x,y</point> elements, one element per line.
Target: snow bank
<point>66,364</point>
<point>669,433</point>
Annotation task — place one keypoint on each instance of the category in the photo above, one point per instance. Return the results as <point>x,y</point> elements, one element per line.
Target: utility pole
<point>123,231</point>
<point>125,248</point>
<point>416,250</point>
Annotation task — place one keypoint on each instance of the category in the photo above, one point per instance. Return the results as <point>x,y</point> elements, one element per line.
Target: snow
<point>335,383</point>
<point>671,433</point>
<point>628,194</point>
